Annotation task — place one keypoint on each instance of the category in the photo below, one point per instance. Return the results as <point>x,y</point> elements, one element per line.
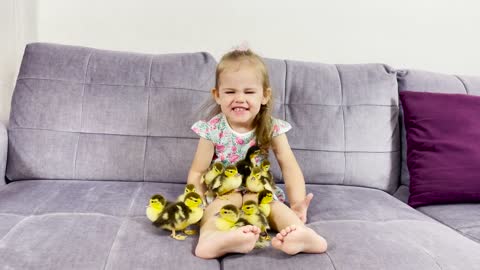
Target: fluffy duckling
<point>213,171</point>
<point>228,218</point>
<point>254,183</point>
<point>267,175</point>
<point>188,188</point>
<point>245,165</point>
<point>254,216</point>
<point>228,181</point>
<point>178,216</point>
<point>155,206</point>
<point>264,199</point>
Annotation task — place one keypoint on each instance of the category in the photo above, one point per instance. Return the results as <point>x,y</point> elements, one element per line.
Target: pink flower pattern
<point>230,147</point>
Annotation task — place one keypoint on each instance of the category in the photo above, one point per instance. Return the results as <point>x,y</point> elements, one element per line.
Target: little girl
<point>242,119</point>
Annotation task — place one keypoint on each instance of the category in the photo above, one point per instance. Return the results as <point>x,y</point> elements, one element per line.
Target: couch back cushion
<point>82,113</point>
<point>425,81</point>
<point>344,118</point>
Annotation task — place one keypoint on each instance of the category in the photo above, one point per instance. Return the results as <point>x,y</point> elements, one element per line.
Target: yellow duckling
<point>228,181</point>
<point>264,199</point>
<point>156,205</point>
<point>228,218</point>
<point>215,170</point>
<point>267,176</point>
<point>252,214</point>
<point>178,216</point>
<point>253,183</point>
<point>188,188</point>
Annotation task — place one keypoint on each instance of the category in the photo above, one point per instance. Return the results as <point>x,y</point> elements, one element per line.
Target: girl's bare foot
<point>218,243</point>
<point>295,239</point>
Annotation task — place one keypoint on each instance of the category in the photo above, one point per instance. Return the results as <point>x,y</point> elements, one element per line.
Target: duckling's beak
<point>217,214</point>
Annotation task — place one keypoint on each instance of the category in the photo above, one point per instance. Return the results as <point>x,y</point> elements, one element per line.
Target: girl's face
<point>240,95</point>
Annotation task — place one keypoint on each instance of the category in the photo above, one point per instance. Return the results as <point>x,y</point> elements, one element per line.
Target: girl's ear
<point>215,95</point>
<point>267,94</point>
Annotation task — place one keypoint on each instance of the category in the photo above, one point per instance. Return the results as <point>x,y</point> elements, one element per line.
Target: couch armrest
<point>3,152</point>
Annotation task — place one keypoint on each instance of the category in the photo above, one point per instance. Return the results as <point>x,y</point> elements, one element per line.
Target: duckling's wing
<point>217,182</point>
<point>173,215</point>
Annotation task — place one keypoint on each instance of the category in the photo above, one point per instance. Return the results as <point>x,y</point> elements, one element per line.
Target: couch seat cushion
<point>464,218</point>
<point>369,229</point>
<point>64,224</point>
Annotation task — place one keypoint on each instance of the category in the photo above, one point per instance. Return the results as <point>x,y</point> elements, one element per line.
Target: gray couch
<point>93,133</point>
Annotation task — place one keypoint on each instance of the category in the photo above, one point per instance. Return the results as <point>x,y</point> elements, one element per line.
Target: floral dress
<point>231,146</point>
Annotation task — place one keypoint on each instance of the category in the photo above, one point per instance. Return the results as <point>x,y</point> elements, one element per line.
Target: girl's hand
<point>301,207</point>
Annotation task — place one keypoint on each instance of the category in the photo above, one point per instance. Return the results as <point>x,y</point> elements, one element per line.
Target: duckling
<point>227,217</point>
<point>254,216</point>
<point>253,183</point>
<point>179,215</point>
<point>244,166</point>
<point>213,171</point>
<point>188,188</point>
<point>264,199</point>
<point>228,181</point>
<point>156,205</point>
<point>267,176</point>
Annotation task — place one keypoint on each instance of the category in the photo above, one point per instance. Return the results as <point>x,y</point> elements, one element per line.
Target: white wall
<point>17,28</point>
<point>435,35</point>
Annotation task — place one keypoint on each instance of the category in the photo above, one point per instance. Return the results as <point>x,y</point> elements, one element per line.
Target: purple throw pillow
<point>443,147</point>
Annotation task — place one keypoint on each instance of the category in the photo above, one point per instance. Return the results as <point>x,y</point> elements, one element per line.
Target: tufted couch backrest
<point>344,118</point>
<point>82,113</point>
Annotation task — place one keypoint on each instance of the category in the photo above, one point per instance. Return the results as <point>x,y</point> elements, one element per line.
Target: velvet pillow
<point>443,147</point>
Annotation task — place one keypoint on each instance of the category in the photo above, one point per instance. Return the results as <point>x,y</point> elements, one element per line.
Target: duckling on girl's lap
<point>241,118</point>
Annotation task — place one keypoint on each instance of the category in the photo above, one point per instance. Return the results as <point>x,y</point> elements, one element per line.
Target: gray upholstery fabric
<point>3,152</point>
<point>369,229</point>
<point>344,118</point>
<point>464,218</point>
<point>81,113</point>
<point>58,224</point>
<point>425,81</point>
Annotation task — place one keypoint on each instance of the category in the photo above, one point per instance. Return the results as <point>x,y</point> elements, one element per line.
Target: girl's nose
<point>240,98</point>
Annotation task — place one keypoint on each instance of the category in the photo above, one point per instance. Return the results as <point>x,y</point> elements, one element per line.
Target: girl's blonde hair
<point>263,120</point>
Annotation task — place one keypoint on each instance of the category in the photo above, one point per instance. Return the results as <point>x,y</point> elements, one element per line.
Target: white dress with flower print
<point>231,146</point>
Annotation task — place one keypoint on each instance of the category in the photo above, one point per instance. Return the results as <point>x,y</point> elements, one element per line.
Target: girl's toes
<point>279,236</point>
<point>247,228</point>
<point>276,243</point>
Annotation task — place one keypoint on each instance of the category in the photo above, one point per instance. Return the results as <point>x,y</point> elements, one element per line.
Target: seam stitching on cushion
<point>330,258</point>
<point>81,117</point>
<point>468,227</point>
<point>429,254</point>
<point>344,135</point>
<point>148,114</point>
<point>122,224</point>
<point>107,84</point>
<point>14,227</point>
<point>463,83</point>
<point>194,138</point>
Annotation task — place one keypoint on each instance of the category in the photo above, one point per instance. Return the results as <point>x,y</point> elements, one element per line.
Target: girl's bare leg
<point>213,243</point>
